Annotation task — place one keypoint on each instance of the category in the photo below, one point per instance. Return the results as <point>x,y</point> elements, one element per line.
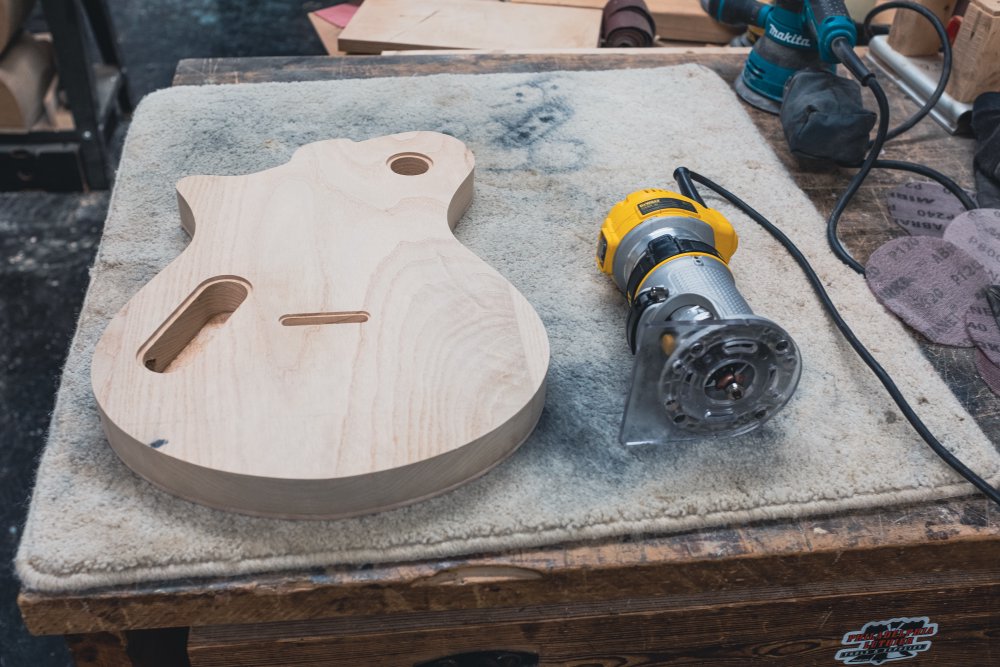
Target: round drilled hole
<point>409,164</point>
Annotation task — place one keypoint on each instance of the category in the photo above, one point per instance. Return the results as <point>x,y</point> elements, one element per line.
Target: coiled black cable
<point>843,49</point>
<point>945,62</point>
<point>687,176</point>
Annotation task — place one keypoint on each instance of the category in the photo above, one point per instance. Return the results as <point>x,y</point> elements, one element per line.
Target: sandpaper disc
<point>930,284</point>
<point>983,330</point>
<point>923,208</point>
<point>989,371</point>
<point>977,232</point>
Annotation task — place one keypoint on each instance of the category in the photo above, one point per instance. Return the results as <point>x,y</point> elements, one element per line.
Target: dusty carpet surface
<point>554,152</point>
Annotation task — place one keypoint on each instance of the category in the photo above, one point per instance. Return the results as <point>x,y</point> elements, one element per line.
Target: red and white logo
<point>879,642</point>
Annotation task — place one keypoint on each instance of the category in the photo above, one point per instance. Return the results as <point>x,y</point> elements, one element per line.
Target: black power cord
<point>952,187</point>
<point>686,187</point>
<point>843,50</point>
<point>945,63</point>
<point>684,178</point>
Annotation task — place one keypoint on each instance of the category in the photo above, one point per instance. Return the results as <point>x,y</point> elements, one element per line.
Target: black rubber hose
<point>866,356</point>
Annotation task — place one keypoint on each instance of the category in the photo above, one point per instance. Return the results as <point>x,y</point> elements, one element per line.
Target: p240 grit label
<point>879,642</point>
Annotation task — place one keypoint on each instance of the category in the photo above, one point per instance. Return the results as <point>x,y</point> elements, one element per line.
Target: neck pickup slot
<point>193,324</point>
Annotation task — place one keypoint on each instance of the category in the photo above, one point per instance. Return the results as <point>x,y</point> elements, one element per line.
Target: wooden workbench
<point>784,591</point>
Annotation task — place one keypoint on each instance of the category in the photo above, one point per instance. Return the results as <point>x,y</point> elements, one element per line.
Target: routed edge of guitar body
<point>328,498</point>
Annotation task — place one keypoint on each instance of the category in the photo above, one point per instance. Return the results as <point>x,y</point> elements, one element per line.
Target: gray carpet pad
<point>554,152</point>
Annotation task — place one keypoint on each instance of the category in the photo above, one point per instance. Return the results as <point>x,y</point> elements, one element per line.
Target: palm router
<point>705,364</point>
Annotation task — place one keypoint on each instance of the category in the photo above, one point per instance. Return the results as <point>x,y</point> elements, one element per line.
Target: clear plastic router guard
<point>707,378</point>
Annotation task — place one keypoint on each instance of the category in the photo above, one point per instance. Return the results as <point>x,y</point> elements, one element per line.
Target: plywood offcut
<point>682,20</point>
<point>385,25</point>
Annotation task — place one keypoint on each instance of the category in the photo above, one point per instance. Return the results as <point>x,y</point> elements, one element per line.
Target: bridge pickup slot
<point>341,317</point>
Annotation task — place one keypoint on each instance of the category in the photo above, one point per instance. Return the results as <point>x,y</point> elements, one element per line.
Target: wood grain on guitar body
<point>324,346</point>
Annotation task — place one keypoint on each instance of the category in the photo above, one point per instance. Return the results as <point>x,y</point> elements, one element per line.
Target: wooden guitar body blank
<point>324,346</point>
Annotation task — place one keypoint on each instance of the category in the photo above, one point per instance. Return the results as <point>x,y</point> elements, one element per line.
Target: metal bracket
<point>918,77</point>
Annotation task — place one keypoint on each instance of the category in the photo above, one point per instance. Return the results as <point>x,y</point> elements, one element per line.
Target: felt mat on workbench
<point>553,152</point>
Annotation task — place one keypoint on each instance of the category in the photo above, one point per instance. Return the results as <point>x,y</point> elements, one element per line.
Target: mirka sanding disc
<point>989,371</point>
<point>977,232</point>
<point>930,284</point>
<point>923,208</point>
<point>981,325</point>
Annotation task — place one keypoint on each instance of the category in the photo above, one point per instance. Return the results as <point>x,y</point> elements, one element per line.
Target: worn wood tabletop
<point>952,543</point>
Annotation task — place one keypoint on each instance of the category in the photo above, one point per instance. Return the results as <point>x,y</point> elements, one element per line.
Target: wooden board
<point>886,17</point>
<point>793,631</point>
<point>693,50</point>
<point>913,35</point>
<point>56,116</point>
<point>324,346</point>
<point>683,20</point>
<point>26,69</point>
<point>328,27</point>
<point>381,25</point>
<point>328,33</point>
<point>977,52</point>
<point>12,16</point>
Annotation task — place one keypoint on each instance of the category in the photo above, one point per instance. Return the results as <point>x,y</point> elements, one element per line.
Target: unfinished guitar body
<point>324,346</point>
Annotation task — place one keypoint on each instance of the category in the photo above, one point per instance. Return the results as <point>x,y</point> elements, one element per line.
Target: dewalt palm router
<point>705,365</point>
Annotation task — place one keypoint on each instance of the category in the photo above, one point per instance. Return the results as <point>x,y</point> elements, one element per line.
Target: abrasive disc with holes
<point>922,208</point>
<point>977,232</point>
<point>930,284</point>
<point>989,371</point>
